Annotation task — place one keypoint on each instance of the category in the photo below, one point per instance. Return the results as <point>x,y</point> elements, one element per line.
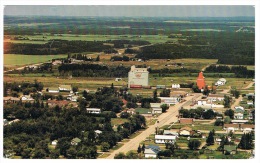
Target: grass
<point>119,145</point>
<point>118,121</point>
<point>20,60</point>
<point>105,155</point>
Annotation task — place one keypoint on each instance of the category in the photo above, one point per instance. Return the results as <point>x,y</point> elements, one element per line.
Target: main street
<point>164,119</point>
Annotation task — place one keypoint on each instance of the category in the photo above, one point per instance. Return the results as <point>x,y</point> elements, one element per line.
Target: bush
<point>105,147</point>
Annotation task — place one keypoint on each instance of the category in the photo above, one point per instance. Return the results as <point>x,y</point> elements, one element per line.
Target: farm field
<point>39,38</point>
<point>12,60</point>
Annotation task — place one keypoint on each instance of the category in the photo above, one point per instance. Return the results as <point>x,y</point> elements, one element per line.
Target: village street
<point>164,119</point>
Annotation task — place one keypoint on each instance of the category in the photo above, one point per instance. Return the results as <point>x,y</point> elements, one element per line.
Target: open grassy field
<point>151,38</point>
<point>12,60</point>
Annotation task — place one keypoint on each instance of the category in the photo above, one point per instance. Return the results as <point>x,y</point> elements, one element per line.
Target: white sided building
<point>138,76</point>
<point>162,139</point>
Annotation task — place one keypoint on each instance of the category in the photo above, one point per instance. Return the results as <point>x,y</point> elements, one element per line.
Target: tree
<point>98,58</point>
<point>235,93</point>
<point>246,141</point>
<point>194,144</point>
<point>209,114</point>
<point>164,107</point>
<point>230,113</point>
<point>75,89</point>
<point>206,91</point>
<point>105,146</point>
<point>120,156</point>
<point>71,153</point>
<point>227,120</point>
<point>54,154</point>
<point>26,153</point>
<point>139,149</point>
<point>218,122</point>
<point>39,153</point>
<point>155,95</point>
<point>124,115</point>
<point>165,93</point>
<point>143,148</point>
<point>227,101</point>
<point>210,139</point>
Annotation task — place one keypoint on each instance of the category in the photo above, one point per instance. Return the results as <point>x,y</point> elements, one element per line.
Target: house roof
<point>169,132</point>
<point>239,121</point>
<point>230,148</point>
<point>165,137</point>
<point>98,131</point>
<point>11,98</point>
<point>186,128</point>
<point>231,125</point>
<point>186,120</point>
<point>77,140</point>
<point>155,105</point>
<point>65,87</point>
<point>152,149</point>
<point>222,80</point>
<point>93,109</point>
<point>124,101</point>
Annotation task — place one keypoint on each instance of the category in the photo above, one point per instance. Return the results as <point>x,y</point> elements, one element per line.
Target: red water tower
<point>201,81</point>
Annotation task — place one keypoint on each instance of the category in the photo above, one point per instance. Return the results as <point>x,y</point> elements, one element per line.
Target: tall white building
<point>138,76</point>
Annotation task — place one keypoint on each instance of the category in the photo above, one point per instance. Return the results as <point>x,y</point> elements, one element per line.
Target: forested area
<point>39,125</point>
<point>240,71</point>
<point>227,47</point>
<point>55,47</point>
<point>93,70</point>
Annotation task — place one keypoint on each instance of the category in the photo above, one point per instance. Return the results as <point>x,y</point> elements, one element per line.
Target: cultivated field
<point>13,60</point>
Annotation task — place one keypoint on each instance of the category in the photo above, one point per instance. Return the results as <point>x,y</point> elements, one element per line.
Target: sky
<point>132,11</point>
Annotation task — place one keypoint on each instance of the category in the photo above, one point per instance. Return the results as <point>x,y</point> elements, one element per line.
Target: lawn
<point>118,121</point>
<point>20,60</point>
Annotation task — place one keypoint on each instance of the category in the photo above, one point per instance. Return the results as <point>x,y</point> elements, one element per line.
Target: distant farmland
<point>12,60</point>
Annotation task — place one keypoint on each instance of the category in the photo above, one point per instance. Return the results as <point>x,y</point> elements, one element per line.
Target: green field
<point>34,38</point>
<point>11,60</point>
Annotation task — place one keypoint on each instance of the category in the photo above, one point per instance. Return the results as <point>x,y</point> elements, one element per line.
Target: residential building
<point>238,116</point>
<point>11,99</point>
<point>231,127</point>
<point>239,121</point>
<point>93,110</point>
<point>215,97</point>
<point>176,86</point>
<point>151,151</point>
<point>239,109</point>
<point>169,100</point>
<point>247,128</point>
<point>170,132</point>
<point>131,111</point>
<point>53,103</point>
<point>65,88</point>
<point>75,141</point>
<point>156,108</point>
<point>185,131</point>
<point>221,81</point>
<point>27,98</point>
<point>54,142</point>
<point>162,139</point>
<point>138,76</point>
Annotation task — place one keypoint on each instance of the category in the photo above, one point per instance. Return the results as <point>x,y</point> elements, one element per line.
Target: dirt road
<point>21,68</point>
<point>163,119</point>
<point>249,85</point>
<point>236,103</point>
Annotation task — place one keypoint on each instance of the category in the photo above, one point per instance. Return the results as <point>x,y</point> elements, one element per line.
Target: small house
<point>202,102</point>
<point>221,81</point>
<point>239,121</point>
<point>170,132</point>
<point>247,128</point>
<point>185,131</point>
<point>98,132</point>
<point>151,151</point>
<point>54,142</point>
<point>239,109</point>
<point>75,141</point>
<point>65,88</point>
<point>238,116</point>
<point>231,127</point>
<point>131,111</point>
<point>93,110</point>
<point>162,139</point>
<point>230,149</point>
<point>218,140</point>
<point>215,97</point>
<point>27,98</point>
<point>156,110</point>
<point>169,100</point>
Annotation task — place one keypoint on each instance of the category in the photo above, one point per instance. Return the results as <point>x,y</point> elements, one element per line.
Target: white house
<point>218,141</point>
<point>65,88</point>
<point>238,116</point>
<point>221,81</point>
<point>27,98</point>
<point>54,142</point>
<point>161,139</point>
<point>215,97</point>
<point>239,109</point>
<point>75,141</point>
<point>185,131</point>
<point>231,127</point>
<point>151,151</point>
<point>156,108</point>
<point>170,132</point>
<point>93,110</point>
<point>202,102</point>
<point>176,86</point>
<point>239,121</point>
<point>118,79</point>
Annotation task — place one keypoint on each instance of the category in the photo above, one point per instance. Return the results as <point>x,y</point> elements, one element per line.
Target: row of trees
<point>198,113</point>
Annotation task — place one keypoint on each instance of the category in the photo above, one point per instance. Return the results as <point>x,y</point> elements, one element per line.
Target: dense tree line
<point>198,113</point>
<point>221,47</point>
<point>57,47</point>
<point>119,58</point>
<point>240,71</point>
<point>93,70</point>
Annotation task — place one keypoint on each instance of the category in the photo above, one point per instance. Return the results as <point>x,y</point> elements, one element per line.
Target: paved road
<point>164,119</point>
<point>21,68</point>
